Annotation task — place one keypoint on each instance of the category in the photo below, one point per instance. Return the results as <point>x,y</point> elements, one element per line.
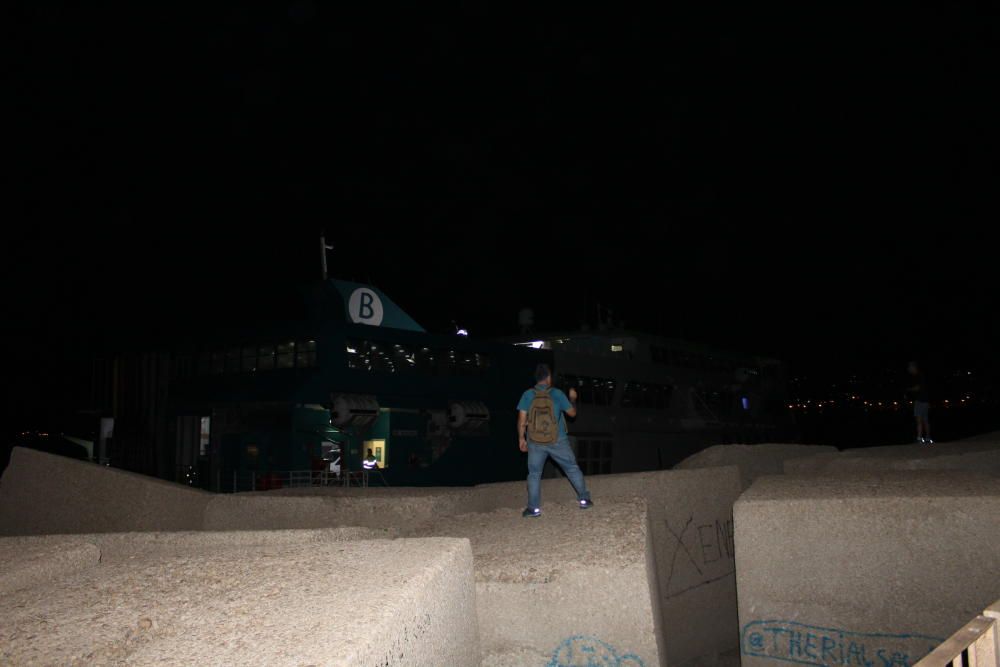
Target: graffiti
<point>702,545</point>
<point>716,541</point>
<point>583,651</point>
<point>812,645</point>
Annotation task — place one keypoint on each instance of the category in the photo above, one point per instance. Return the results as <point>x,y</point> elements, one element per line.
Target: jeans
<point>562,453</point>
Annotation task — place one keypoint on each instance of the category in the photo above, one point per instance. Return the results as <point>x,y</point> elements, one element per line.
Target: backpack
<point>543,426</point>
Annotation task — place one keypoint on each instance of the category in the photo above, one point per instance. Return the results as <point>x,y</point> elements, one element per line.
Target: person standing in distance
<point>541,432</point>
<point>921,403</point>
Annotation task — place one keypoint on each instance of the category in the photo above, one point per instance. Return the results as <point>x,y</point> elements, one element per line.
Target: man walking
<point>541,432</point>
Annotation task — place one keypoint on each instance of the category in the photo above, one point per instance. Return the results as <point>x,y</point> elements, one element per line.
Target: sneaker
<point>586,504</point>
<point>921,441</point>
<point>928,441</point>
<point>531,512</point>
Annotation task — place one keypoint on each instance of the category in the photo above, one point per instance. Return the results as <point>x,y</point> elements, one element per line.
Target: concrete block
<point>977,454</point>
<point>690,528</point>
<point>43,493</point>
<point>264,511</point>
<point>752,460</point>
<point>565,583</point>
<point>868,569</point>
<point>123,546</point>
<point>35,559</point>
<point>986,462</point>
<point>284,601</point>
<point>28,561</point>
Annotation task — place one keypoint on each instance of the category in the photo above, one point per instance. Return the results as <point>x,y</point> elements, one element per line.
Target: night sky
<point>815,184</point>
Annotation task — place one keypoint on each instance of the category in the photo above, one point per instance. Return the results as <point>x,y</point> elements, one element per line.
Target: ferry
<point>647,402</point>
<point>305,400</point>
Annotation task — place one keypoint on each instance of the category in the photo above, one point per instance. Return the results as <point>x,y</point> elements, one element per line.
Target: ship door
<point>380,448</point>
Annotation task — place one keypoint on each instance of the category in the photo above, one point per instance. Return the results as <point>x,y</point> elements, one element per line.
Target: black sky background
<point>812,183</point>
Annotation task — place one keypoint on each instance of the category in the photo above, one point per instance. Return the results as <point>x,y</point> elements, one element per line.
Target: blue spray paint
<point>584,651</point>
<point>790,641</point>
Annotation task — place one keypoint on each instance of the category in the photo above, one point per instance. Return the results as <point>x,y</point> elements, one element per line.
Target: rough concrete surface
<point>119,546</point>
<point>690,528</point>
<point>689,558</point>
<point>44,493</point>
<point>981,443</point>
<point>28,561</point>
<point>871,568</point>
<point>987,462</point>
<point>567,580</point>
<point>752,460</point>
<point>377,603</point>
<point>245,511</point>
<point>689,513</point>
<point>966,454</point>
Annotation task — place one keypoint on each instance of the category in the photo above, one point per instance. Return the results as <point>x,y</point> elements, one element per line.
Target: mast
<point>323,247</point>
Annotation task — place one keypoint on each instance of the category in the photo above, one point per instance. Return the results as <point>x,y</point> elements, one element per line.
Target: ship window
<point>305,354</point>
<point>252,358</point>
<point>591,390</point>
<point>424,358</point>
<point>381,362</point>
<point>249,359</point>
<point>404,359</point>
<point>286,355</point>
<point>357,355</point>
<point>265,357</point>
<point>594,456</point>
<point>471,364</point>
<point>647,395</point>
<point>383,357</point>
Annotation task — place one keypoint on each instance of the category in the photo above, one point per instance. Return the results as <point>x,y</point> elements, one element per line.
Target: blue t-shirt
<point>558,399</point>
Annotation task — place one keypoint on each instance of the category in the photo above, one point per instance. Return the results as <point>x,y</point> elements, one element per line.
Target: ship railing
<point>976,644</point>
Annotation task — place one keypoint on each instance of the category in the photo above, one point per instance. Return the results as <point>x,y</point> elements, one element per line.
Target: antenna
<point>323,247</point>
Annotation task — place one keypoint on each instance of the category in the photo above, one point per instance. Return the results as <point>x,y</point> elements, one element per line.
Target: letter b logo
<point>366,311</point>
<point>365,307</point>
